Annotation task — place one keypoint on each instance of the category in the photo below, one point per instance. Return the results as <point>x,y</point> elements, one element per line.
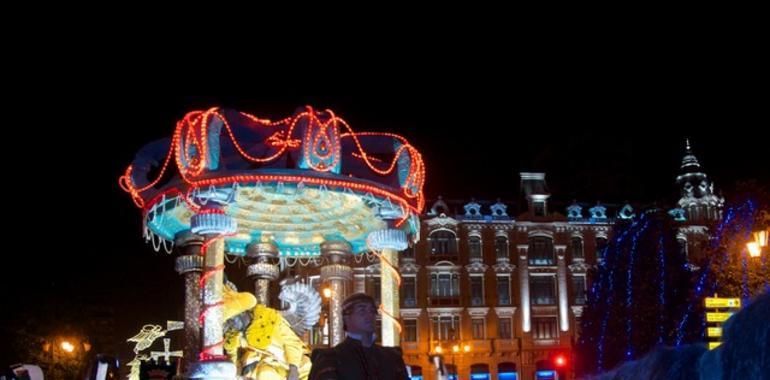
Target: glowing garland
<point>603,327</point>
<point>198,121</point>
<point>662,291</point>
<point>629,287</point>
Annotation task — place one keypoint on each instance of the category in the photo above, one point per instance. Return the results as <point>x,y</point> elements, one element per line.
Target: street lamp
<point>326,331</point>
<point>760,242</point>
<point>455,351</point>
<point>67,346</point>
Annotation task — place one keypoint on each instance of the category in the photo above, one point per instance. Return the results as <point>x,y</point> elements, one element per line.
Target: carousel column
<point>189,264</point>
<point>388,243</point>
<point>335,273</point>
<point>263,270</point>
<point>212,223</point>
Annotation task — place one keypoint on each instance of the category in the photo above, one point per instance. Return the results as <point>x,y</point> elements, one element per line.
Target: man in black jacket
<point>357,357</point>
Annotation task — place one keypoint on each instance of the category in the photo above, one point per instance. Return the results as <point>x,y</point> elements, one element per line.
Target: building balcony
<point>482,346</point>
<point>546,342</point>
<point>445,301</point>
<point>505,345</point>
<point>444,257</point>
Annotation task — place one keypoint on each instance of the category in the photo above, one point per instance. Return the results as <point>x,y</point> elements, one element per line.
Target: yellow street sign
<point>717,317</point>
<point>713,345</point>
<point>716,302</point>
<point>714,331</point>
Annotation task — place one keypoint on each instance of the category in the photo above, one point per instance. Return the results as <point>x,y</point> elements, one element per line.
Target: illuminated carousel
<point>303,189</point>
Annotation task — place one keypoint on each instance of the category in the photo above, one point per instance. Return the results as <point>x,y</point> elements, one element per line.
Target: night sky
<point>613,142</point>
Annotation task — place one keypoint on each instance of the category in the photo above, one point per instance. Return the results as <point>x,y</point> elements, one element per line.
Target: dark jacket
<point>350,360</point>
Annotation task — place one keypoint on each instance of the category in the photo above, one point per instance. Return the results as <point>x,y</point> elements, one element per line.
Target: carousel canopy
<point>295,182</point>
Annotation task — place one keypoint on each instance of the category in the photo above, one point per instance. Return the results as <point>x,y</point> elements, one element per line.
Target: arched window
<point>541,251</point>
<point>682,247</point>
<point>576,245</point>
<point>480,371</point>
<point>601,244</point>
<point>506,371</point>
<point>501,247</point>
<point>474,247</point>
<point>443,242</point>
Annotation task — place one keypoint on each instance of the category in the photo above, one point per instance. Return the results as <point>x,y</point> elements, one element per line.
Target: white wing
<point>304,306</point>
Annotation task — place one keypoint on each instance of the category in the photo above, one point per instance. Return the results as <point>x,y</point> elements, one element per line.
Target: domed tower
<point>698,209</point>
<point>698,200</point>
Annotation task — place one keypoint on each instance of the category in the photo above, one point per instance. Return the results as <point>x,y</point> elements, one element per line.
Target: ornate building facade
<point>499,296</point>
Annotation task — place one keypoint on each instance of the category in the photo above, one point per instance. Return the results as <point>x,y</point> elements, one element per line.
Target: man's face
<point>361,320</point>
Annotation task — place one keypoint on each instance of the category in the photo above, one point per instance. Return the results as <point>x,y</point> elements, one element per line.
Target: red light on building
<point>560,360</point>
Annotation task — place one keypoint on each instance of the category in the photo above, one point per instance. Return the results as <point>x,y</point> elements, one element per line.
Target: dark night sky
<point>611,141</point>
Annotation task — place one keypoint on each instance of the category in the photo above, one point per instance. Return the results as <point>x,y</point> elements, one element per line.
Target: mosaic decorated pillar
<point>263,269</point>
<point>189,264</point>
<point>213,224</point>
<point>388,242</point>
<point>336,273</point>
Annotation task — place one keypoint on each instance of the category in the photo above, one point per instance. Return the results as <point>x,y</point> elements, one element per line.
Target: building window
<point>444,285</point>
<point>477,290</point>
<point>544,328</point>
<point>505,328</point>
<point>501,247</point>
<point>541,251</point>
<point>601,244</point>
<point>478,328</point>
<point>504,290</point>
<point>409,291</point>
<point>579,289</point>
<point>446,328</point>
<point>480,371</point>
<point>539,208</point>
<point>682,248</point>
<point>543,290</point>
<point>577,247</point>
<point>474,247</point>
<point>443,243</point>
<point>410,330</point>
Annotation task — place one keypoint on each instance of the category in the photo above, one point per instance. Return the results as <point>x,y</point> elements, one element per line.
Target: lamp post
<point>756,249</point>
<point>758,246</point>
<point>327,293</point>
<point>458,348</point>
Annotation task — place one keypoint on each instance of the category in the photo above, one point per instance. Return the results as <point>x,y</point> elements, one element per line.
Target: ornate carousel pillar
<point>263,270</point>
<point>388,243</point>
<point>189,264</point>
<point>335,273</point>
<point>212,223</point>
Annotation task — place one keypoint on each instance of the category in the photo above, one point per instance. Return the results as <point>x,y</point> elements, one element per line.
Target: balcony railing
<point>445,301</point>
<point>505,345</point>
